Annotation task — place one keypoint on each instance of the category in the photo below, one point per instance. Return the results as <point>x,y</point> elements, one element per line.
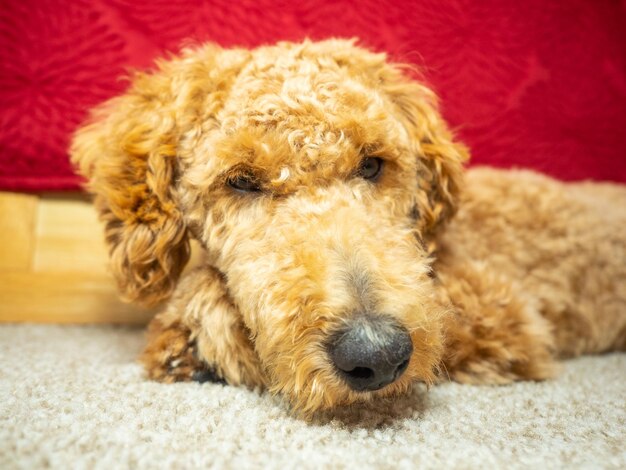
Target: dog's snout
<point>371,352</point>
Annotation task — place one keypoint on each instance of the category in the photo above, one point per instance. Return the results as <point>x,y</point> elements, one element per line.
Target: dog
<point>347,254</point>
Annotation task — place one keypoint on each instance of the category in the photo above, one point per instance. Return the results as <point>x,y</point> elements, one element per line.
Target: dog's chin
<point>323,396</point>
<point>310,384</point>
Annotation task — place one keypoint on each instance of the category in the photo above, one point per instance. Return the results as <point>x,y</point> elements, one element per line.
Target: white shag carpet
<point>74,397</point>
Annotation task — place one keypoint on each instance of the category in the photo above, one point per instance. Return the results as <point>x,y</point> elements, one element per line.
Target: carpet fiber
<point>74,397</point>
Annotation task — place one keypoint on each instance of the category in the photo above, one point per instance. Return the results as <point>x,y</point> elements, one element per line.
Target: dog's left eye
<point>244,183</point>
<point>371,168</point>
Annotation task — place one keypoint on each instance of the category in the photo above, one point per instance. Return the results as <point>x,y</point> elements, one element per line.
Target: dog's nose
<point>371,352</point>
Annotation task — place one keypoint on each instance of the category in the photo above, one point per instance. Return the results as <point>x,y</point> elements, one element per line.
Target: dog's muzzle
<point>371,352</point>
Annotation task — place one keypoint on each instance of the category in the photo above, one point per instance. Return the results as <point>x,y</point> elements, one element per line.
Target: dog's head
<point>316,176</point>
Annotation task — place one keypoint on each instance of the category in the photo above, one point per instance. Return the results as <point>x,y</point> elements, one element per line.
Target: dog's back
<point>563,245</point>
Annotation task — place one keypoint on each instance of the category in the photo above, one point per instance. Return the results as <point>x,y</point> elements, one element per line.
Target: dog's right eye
<point>244,183</point>
<point>370,168</point>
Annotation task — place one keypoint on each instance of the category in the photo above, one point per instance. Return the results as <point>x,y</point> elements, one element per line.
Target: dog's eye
<point>371,168</point>
<point>244,183</point>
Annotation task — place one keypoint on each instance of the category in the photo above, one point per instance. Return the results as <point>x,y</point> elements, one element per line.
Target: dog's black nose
<point>373,351</point>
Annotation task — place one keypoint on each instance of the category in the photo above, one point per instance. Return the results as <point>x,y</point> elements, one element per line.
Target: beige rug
<point>73,397</point>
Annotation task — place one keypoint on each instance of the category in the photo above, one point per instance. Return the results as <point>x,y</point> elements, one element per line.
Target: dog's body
<point>522,242</point>
<point>322,184</point>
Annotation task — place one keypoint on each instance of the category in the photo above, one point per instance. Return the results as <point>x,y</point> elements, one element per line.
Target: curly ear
<point>440,158</point>
<point>128,153</point>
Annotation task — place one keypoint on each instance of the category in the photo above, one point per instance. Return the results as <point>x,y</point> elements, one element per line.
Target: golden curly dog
<point>321,183</point>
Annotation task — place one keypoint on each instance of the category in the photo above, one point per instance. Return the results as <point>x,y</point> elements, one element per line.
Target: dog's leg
<point>200,336</point>
<point>493,334</point>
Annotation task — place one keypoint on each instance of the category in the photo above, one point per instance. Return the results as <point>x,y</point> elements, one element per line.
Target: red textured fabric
<point>534,83</point>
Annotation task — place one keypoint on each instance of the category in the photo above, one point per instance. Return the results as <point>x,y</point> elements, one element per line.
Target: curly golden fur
<point>528,270</point>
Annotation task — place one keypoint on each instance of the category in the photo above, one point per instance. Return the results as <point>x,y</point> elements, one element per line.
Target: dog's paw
<point>494,335</point>
<point>171,355</point>
<point>500,353</point>
<point>501,368</point>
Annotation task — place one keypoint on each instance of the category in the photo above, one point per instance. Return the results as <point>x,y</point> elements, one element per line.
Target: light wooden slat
<point>58,272</point>
<point>17,238</point>
<point>69,237</point>
<point>64,298</point>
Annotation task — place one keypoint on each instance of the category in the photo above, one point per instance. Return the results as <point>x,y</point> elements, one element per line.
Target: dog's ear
<point>440,157</point>
<point>128,153</point>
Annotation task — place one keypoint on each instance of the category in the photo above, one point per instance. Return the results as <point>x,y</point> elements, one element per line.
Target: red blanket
<point>533,83</point>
